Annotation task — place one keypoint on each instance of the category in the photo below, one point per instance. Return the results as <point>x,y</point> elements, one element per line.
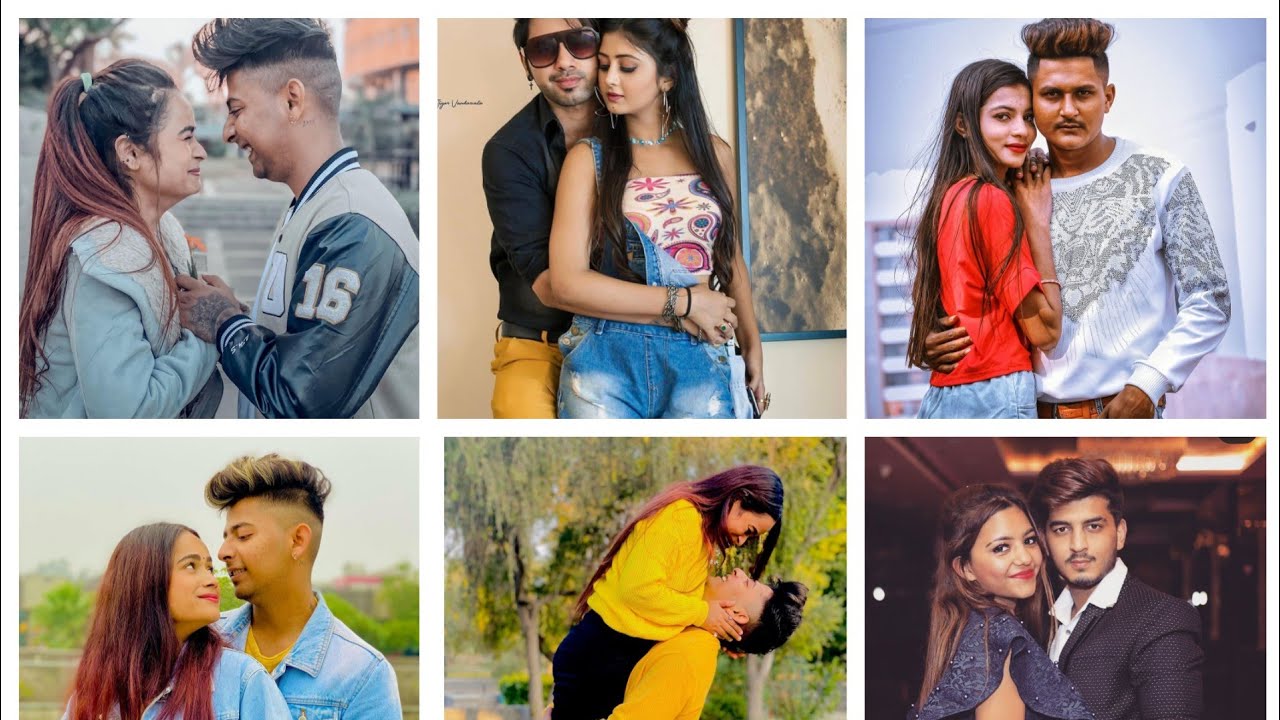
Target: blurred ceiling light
<point>1233,463</point>
<point>1136,459</point>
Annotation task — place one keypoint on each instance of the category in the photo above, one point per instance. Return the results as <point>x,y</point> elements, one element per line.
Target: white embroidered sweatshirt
<point>1144,293</point>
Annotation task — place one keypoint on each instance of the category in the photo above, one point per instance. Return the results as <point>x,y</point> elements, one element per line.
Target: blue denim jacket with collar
<point>241,691</point>
<point>329,673</point>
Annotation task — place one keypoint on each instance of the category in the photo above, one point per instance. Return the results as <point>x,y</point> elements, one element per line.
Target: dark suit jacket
<point>1139,659</point>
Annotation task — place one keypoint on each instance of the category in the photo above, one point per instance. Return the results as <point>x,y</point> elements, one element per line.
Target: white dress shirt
<point>1104,595</point>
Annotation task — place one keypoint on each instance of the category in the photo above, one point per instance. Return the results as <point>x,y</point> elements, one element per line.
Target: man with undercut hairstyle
<point>274,510</point>
<point>1144,292</point>
<point>333,330</point>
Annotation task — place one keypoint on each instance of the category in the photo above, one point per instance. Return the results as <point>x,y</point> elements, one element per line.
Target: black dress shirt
<point>521,167</point>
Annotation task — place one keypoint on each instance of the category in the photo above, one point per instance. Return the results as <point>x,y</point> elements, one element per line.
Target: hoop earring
<point>601,112</point>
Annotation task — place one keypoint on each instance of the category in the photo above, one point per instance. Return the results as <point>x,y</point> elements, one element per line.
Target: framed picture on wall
<point>792,105</point>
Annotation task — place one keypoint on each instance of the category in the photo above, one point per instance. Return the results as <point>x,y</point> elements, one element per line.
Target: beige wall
<point>478,62</point>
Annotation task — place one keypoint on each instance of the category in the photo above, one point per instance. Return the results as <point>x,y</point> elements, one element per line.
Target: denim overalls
<point>628,370</point>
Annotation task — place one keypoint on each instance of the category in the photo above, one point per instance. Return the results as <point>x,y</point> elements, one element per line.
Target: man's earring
<point>530,77</point>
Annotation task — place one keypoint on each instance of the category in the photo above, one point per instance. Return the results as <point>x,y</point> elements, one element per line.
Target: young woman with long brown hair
<point>99,333</point>
<point>989,617</point>
<point>982,250</point>
<point>649,585</point>
<point>649,201</point>
<point>151,653</point>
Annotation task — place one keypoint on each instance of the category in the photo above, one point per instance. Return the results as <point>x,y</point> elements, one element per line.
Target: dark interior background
<point>1192,533</point>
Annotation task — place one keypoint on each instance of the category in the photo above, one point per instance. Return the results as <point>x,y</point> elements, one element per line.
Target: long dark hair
<point>78,177</point>
<point>667,42</point>
<point>758,489</point>
<point>963,515</point>
<point>955,156</point>
<point>132,653</point>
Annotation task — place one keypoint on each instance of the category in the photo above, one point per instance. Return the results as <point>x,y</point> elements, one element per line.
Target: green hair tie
<point>86,79</point>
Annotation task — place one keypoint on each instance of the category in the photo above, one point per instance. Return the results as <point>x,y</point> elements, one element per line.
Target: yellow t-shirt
<point>672,680</point>
<point>653,589</point>
<point>268,661</point>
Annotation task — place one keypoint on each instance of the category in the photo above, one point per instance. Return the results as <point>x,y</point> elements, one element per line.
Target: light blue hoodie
<point>112,348</point>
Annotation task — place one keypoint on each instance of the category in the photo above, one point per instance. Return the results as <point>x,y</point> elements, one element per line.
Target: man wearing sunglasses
<point>521,167</point>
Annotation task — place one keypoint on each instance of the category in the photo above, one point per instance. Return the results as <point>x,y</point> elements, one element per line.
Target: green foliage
<point>361,624</point>
<point>399,592</point>
<point>51,48</point>
<point>728,697</point>
<point>396,635</point>
<point>800,690</point>
<point>227,599</point>
<point>400,637</point>
<point>514,688</point>
<point>62,617</point>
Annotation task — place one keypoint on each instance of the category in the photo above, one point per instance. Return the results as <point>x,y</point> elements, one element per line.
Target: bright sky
<point>79,496</point>
<point>151,36</point>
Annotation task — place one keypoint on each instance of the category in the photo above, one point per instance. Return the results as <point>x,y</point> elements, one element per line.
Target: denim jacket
<point>241,691</point>
<point>329,673</point>
<point>112,350</point>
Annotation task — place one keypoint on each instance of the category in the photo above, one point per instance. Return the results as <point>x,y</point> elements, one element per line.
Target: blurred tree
<point>62,617</point>
<point>399,592</point>
<point>812,550</point>
<point>361,624</point>
<point>227,599</point>
<point>496,491</point>
<point>49,49</point>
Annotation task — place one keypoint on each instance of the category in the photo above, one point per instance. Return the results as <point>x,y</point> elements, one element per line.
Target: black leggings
<point>591,668</point>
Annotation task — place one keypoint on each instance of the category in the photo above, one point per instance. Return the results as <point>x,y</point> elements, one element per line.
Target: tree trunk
<point>758,667</point>
<point>528,613</point>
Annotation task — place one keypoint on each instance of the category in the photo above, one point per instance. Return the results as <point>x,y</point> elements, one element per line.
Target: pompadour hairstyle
<point>1058,38</point>
<point>286,47</point>
<point>272,477</point>
<point>779,619</point>
<point>1072,479</point>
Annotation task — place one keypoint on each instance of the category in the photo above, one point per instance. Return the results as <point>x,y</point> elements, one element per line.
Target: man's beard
<point>1087,582</point>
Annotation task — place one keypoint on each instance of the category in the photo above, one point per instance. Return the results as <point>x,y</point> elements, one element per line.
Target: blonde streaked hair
<point>272,477</point>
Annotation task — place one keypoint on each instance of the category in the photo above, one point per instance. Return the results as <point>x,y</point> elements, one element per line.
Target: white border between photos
<point>432,432</point>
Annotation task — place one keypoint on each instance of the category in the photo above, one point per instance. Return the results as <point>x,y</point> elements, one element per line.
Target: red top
<point>998,345</point>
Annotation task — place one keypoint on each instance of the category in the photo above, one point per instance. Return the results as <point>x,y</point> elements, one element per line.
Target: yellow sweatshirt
<point>653,589</point>
<point>672,680</point>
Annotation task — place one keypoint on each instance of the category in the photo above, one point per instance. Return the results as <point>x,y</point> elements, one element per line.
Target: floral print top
<point>679,214</point>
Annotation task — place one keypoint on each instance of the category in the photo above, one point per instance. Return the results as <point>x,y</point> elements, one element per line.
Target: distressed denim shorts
<point>1007,396</point>
<point>624,370</point>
